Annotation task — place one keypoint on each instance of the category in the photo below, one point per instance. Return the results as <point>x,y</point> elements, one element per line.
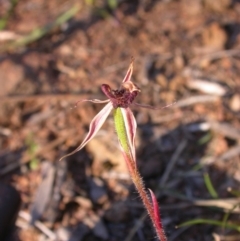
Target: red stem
<point>151,207</point>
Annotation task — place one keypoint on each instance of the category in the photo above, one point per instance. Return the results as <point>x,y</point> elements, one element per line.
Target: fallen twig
<point>39,225</point>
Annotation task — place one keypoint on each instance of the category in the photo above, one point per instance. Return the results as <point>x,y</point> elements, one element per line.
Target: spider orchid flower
<point>119,102</point>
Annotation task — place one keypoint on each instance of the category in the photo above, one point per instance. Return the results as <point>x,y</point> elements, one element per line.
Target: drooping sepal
<point>94,127</point>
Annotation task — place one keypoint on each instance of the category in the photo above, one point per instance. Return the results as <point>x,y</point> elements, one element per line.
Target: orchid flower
<point>119,102</point>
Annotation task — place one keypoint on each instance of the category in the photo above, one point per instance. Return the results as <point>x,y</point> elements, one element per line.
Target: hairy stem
<point>136,178</point>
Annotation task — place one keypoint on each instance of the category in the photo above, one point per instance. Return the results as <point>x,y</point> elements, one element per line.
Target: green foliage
<point>211,222</point>
<point>4,19</point>
<point>90,2</point>
<point>42,31</point>
<point>224,223</point>
<point>112,4</point>
<point>209,186</point>
<point>234,192</point>
<point>205,139</point>
<point>103,10</point>
<point>32,148</point>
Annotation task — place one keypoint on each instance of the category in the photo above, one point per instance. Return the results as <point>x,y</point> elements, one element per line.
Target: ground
<point>186,53</point>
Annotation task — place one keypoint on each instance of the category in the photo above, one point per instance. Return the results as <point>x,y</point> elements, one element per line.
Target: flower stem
<point>137,180</point>
<point>151,207</point>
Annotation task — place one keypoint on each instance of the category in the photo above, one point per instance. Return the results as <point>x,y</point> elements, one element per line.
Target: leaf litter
<point>172,44</point>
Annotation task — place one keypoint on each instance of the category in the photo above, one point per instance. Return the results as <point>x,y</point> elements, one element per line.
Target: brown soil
<point>186,52</point>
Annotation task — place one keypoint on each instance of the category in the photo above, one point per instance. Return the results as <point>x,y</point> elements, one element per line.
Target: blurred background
<point>54,53</point>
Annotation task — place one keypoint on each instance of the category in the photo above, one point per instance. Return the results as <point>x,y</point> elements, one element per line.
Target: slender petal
<point>96,101</point>
<point>131,126</point>
<point>129,73</point>
<point>152,107</point>
<point>94,127</point>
